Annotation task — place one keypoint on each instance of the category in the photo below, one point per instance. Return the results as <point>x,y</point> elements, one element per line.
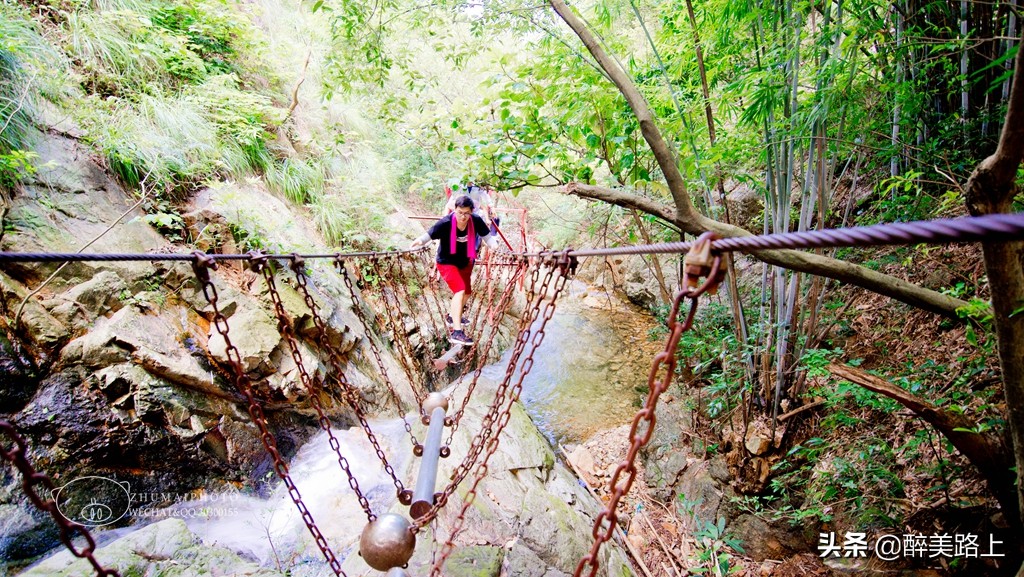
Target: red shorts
<point>458,279</point>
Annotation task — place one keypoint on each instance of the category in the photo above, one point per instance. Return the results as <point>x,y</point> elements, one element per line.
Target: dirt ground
<point>655,537</point>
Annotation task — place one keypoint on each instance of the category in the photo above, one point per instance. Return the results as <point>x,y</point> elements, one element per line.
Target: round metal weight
<point>387,542</point>
<point>417,450</point>
<point>433,401</point>
<point>445,452</point>
<point>405,497</point>
<point>425,419</point>
<point>448,421</point>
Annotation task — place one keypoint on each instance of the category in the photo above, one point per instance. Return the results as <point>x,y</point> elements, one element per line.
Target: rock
<point>668,453</point>
<point>43,330</point>
<point>287,379</point>
<point>700,495</point>
<point>479,561</point>
<point>255,336</point>
<point>756,443</point>
<point>181,369</point>
<point>149,340</point>
<point>545,528</point>
<point>19,376</point>
<point>745,206</point>
<point>521,561</point>
<point>763,541</point>
<point>88,201</point>
<point>25,532</point>
<point>583,461</point>
<point>642,294</point>
<point>82,304</point>
<point>166,548</point>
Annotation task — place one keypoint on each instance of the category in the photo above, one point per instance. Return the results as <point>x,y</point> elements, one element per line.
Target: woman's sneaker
<point>460,338</point>
<point>448,318</point>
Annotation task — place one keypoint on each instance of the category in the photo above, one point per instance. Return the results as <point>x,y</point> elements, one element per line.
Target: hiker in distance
<point>456,255</point>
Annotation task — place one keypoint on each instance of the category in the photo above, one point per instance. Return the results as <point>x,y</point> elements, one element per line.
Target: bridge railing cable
<point>987,228</point>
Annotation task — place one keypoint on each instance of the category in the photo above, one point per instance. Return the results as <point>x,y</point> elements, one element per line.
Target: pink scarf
<point>470,238</point>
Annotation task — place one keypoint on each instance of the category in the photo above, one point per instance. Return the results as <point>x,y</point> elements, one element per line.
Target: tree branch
<point>983,451</point>
<point>811,263</point>
<point>663,153</point>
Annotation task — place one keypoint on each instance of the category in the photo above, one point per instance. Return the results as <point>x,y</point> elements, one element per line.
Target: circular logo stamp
<point>93,501</point>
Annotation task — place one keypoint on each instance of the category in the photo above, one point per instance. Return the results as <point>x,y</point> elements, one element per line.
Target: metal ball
<point>433,401</point>
<point>417,450</point>
<point>387,542</point>
<point>445,452</point>
<point>405,497</point>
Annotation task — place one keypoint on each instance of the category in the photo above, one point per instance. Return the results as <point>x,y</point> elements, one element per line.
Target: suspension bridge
<point>389,539</point>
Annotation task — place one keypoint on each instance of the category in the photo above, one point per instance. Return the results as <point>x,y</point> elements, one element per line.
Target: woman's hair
<point>464,202</point>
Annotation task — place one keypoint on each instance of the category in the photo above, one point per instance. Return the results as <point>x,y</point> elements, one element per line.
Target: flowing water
<point>591,370</point>
<point>584,379</point>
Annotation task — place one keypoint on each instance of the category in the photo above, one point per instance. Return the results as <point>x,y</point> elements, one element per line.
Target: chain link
<point>502,308</point>
<point>624,475</point>
<point>509,398</point>
<point>337,374</point>
<point>373,347</point>
<point>487,430</point>
<point>18,456</point>
<point>414,261</point>
<point>394,322</point>
<point>202,264</point>
<point>434,281</point>
<point>284,325</point>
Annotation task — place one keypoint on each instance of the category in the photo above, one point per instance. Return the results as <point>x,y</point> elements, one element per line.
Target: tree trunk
<point>983,451</point>
<point>990,190</point>
<point>792,259</point>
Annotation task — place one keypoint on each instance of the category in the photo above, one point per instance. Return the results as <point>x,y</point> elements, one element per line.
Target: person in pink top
<point>456,255</point>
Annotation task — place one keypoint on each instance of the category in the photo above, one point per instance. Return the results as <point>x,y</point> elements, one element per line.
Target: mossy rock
<point>479,561</point>
<point>164,549</point>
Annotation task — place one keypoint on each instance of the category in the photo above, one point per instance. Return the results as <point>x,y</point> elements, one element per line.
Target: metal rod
<point>502,235</point>
<point>423,495</point>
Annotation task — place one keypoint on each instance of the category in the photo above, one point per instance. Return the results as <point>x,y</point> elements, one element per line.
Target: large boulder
<point>70,202</point>
<point>166,548</point>
<point>746,206</point>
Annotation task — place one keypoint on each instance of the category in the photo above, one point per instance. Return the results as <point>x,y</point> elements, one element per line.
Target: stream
<point>591,370</point>
<point>584,379</point>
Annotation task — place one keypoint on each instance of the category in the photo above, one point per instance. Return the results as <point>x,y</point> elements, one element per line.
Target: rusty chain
<point>352,397</point>
<point>284,326</point>
<point>565,272</point>
<point>425,257</point>
<point>502,308</point>
<point>18,456</point>
<point>697,266</point>
<point>201,265</point>
<point>373,347</point>
<point>413,262</point>
<point>487,432</point>
<point>394,323</point>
